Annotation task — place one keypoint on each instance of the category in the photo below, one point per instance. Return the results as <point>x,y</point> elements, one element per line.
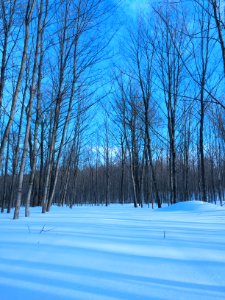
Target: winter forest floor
<point>115,252</point>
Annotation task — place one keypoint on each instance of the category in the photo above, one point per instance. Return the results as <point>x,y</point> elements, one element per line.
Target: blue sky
<point>133,6</point>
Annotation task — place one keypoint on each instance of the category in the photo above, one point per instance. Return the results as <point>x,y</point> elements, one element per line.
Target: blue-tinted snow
<point>117,252</point>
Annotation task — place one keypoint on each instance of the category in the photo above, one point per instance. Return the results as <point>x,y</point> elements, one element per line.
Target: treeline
<point>162,138</point>
<point>90,185</point>
<point>50,51</point>
<point>168,102</point>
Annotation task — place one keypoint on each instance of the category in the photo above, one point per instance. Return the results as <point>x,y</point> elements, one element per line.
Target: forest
<point>102,103</point>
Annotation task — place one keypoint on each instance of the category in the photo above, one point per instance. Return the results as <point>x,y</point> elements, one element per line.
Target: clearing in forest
<point>115,252</point>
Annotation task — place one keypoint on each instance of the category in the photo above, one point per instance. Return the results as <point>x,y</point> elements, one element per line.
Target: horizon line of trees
<point>161,133</point>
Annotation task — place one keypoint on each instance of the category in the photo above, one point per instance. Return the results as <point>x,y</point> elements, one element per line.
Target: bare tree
<point>7,9</point>
<point>27,20</point>
<point>29,112</point>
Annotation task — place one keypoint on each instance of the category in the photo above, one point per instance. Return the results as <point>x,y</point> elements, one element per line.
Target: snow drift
<point>117,252</point>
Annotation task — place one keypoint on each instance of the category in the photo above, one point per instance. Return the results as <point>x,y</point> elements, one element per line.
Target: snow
<point>115,252</point>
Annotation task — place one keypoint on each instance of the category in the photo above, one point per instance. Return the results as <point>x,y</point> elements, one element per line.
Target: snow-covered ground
<point>116,252</point>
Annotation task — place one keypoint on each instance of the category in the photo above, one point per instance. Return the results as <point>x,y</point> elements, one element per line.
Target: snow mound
<point>192,206</point>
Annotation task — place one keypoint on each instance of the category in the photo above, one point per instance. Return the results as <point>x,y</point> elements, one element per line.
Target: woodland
<point>101,103</point>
